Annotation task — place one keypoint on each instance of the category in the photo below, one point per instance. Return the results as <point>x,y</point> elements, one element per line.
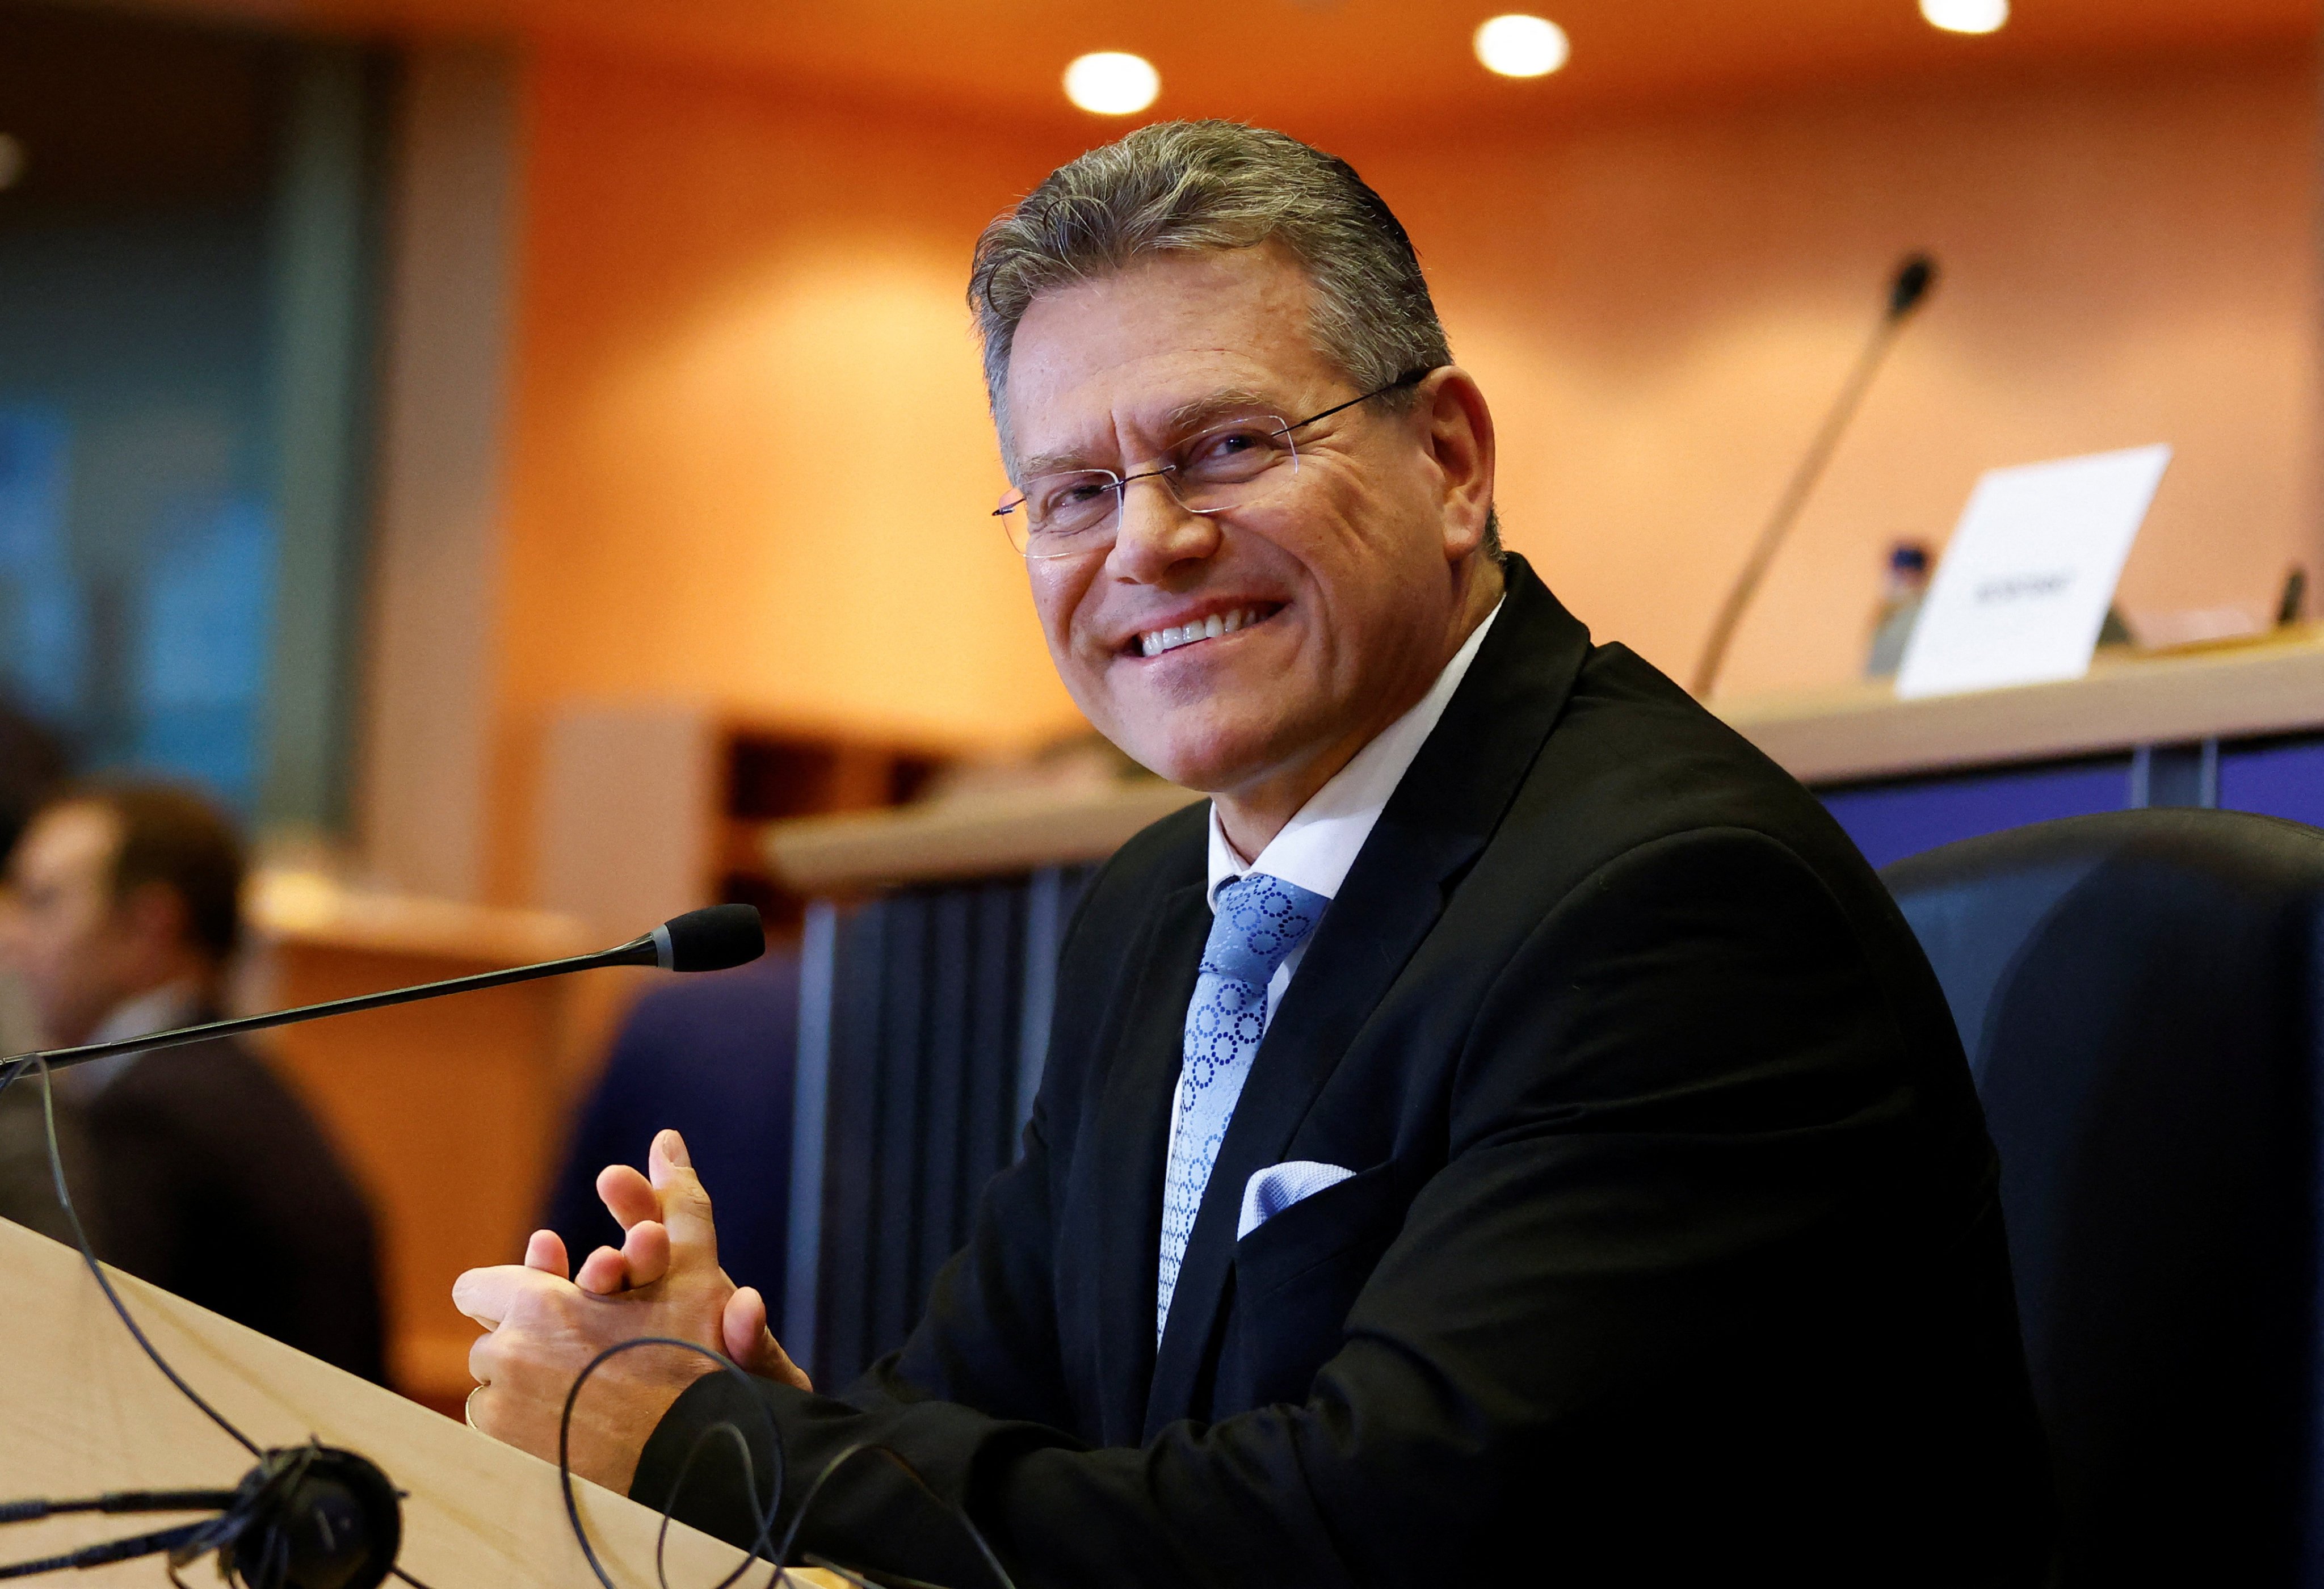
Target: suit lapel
<point>1440,818</point>
<point>1132,1144</point>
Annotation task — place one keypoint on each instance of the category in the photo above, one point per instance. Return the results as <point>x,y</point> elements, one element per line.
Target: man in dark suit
<point>209,1176</point>
<point>1509,1129</point>
<point>33,763</point>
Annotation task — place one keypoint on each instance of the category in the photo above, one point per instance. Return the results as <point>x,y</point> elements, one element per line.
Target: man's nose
<point>1156,532</point>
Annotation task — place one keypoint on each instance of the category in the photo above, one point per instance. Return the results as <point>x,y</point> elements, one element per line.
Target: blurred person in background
<point>208,1177</point>
<point>33,763</point>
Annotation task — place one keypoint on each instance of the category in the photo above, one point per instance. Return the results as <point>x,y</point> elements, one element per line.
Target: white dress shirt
<point>158,1009</point>
<point>1319,843</point>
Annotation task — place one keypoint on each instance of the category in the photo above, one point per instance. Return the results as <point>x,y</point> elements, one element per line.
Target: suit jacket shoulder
<point>218,1184</point>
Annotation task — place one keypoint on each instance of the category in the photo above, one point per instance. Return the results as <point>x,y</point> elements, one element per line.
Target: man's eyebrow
<point>1049,463</point>
<point>1175,422</point>
<point>1232,400</point>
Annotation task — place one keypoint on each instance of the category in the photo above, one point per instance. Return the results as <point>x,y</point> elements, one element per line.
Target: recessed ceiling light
<point>1965,16</point>
<point>1111,83</point>
<point>1519,46</point>
<point>12,160</point>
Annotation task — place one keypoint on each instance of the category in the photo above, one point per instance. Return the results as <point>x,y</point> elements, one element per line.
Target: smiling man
<point>1508,1127</point>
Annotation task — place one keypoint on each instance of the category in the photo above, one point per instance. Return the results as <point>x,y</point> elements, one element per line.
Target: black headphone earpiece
<point>312,1517</point>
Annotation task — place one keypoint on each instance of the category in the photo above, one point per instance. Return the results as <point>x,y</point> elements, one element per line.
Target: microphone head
<point>712,938</point>
<point>1913,278</point>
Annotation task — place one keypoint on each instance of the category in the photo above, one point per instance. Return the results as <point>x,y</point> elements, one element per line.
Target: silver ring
<point>468,1409</point>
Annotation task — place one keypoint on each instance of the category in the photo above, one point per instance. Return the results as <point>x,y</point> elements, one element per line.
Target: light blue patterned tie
<point>1258,922</point>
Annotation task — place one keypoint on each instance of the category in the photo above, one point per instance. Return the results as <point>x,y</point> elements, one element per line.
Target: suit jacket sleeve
<point>1669,1120</point>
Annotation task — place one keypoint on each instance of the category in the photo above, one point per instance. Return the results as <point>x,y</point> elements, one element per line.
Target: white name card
<point>2022,590</point>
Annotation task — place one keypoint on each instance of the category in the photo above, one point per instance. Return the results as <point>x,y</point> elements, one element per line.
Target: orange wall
<point>1660,308</point>
<point>751,461</point>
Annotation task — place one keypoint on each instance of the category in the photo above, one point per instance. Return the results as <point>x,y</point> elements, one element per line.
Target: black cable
<point>88,1256</point>
<point>407,1578</point>
<point>26,1511</point>
<point>109,1550</point>
<point>888,1579</point>
<point>765,1512</point>
<point>959,1514</point>
<point>678,1488</point>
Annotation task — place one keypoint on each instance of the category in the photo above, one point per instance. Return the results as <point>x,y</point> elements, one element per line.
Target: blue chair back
<point>2141,995</point>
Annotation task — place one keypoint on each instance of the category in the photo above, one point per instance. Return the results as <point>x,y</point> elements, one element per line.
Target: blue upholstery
<point>2139,993</point>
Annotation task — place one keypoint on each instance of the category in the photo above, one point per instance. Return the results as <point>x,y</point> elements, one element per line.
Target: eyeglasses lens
<point>1227,466</point>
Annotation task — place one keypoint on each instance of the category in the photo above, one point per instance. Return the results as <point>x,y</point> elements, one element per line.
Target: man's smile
<point>1190,630</point>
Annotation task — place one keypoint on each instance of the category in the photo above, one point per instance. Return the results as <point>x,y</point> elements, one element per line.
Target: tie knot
<point>1260,920</point>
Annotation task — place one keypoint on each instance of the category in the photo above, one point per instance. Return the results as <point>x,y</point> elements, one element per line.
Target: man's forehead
<point>1162,343</point>
<point>67,842</point>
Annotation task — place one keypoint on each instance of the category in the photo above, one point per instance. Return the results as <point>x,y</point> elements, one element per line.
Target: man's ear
<point>1460,440</point>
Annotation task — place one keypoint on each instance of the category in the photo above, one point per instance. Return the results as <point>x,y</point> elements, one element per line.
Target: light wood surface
<point>2272,686</point>
<point>1840,735</point>
<point>82,1411</point>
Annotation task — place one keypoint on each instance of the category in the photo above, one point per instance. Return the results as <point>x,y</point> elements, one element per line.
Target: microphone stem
<point>1794,498</point>
<point>639,953</point>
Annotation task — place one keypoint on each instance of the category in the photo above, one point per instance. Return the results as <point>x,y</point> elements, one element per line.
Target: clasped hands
<point>543,1328</point>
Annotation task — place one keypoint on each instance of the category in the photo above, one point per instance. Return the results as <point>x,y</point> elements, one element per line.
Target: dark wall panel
<point>927,1016</point>
<point>2281,779</point>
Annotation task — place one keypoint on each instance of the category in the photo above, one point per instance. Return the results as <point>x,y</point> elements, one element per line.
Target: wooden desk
<point>1845,733</point>
<point>82,1412</point>
<point>1854,732</point>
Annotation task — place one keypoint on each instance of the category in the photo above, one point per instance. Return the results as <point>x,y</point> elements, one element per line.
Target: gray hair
<point>1214,185</point>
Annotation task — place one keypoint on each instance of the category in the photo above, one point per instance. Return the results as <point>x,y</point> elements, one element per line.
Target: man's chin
<point>1203,762</point>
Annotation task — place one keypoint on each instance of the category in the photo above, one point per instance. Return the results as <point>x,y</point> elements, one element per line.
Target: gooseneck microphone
<point>311,1516</point>
<point>712,938</point>
<point>1915,274</point>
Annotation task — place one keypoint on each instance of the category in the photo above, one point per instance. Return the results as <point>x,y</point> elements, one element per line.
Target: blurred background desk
<point>2238,726</point>
<point>928,960</point>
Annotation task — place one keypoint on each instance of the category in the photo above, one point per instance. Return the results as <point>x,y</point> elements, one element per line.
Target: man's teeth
<point>1154,641</point>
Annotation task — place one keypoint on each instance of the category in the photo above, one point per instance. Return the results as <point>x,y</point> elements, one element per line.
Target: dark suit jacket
<point>213,1181</point>
<point>1673,1246</point>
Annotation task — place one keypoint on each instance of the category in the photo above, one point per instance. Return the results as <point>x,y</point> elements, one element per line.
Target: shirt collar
<point>174,1004</point>
<point>1319,843</point>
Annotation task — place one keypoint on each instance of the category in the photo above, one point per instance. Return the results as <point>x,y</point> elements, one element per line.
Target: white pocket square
<point>1270,1191</point>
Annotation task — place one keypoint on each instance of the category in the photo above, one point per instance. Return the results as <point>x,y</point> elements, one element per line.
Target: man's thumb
<point>752,1346</point>
<point>685,1206</point>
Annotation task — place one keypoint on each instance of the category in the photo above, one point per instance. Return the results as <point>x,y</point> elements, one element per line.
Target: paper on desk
<point>2021,591</point>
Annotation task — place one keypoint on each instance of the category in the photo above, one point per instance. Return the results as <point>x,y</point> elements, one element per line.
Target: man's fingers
<point>646,1251</point>
<point>751,1344</point>
<point>685,1206</point>
<point>484,1362</point>
<point>628,1195</point>
<point>643,1259</point>
<point>546,1252</point>
<point>602,1273</point>
<point>489,1296</point>
<point>743,1324</point>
